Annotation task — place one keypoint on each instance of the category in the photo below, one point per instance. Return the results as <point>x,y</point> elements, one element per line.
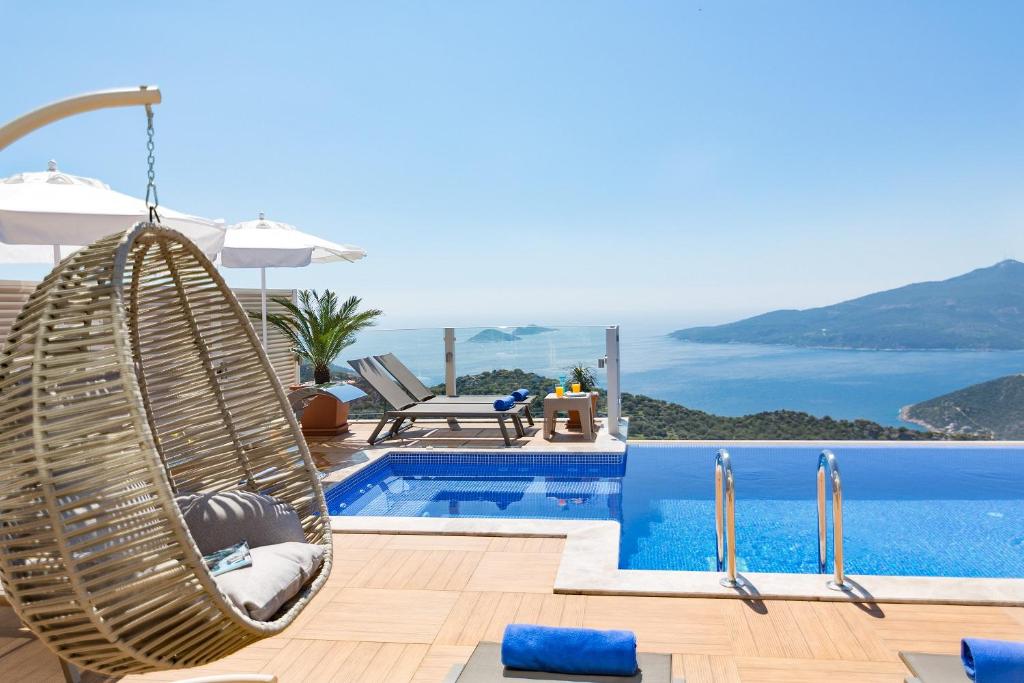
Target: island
<point>991,410</point>
<point>490,335</point>
<point>979,310</point>
<point>531,329</point>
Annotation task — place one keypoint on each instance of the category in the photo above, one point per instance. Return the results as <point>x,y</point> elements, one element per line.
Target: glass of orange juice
<point>576,387</point>
<point>559,390</point>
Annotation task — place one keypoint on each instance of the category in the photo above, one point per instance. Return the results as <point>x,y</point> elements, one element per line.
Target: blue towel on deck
<point>504,403</point>
<point>992,661</point>
<point>569,650</point>
<point>520,394</point>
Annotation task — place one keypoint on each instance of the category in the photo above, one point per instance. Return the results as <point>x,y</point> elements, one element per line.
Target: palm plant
<point>319,329</point>
<point>582,374</point>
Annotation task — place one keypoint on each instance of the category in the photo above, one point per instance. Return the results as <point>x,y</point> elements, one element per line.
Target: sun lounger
<point>404,407</point>
<point>484,666</point>
<point>928,668</point>
<point>419,391</point>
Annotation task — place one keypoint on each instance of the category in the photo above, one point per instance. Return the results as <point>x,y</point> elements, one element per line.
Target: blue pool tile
<point>932,510</point>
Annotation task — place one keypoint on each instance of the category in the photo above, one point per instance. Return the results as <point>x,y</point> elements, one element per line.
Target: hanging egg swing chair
<point>141,428</point>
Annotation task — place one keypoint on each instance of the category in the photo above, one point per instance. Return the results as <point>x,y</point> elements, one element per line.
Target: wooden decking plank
<point>529,608</point>
<point>431,562</point>
<point>439,660</point>
<point>551,610</point>
<point>361,578</point>
<point>505,572</point>
<point>462,574</point>
<point>407,569</point>
<point>440,578</point>
<point>407,663</point>
<point>419,542</point>
<point>479,619</point>
<point>460,613</point>
<point>573,610</point>
<point>387,570</point>
<point>383,662</point>
<point>794,670</point>
<point>351,668</point>
<point>383,616</point>
<point>864,627</point>
<point>504,614</point>
<point>663,624</point>
<point>315,658</point>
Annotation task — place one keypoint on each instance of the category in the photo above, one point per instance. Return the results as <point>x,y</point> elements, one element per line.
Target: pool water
<point>908,510</point>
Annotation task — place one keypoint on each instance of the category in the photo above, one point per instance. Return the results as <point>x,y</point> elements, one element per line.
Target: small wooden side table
<point>554,404</point>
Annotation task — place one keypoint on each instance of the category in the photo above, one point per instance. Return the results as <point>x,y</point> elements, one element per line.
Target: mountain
<point>491,335</point>
<point>993,409</point>
<point>982,309</point>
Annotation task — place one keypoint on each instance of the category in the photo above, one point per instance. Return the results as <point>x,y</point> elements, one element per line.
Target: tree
<point>319,329</point>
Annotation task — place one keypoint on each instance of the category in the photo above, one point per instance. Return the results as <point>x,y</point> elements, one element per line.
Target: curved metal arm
<point>724,481</point>
<point>827,460</point>
<point>55,111</point>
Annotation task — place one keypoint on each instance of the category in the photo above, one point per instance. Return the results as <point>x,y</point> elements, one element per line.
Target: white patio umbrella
<point>55,208</point>
<point>35,253</point>
<point>266,244</point>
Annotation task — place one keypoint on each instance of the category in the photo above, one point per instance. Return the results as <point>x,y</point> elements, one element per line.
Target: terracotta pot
<point>324,416</point>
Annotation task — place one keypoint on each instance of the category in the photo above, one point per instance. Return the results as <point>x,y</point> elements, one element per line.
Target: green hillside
<point>979,310</point>
<point>993,409</point>
<point>655,419</point>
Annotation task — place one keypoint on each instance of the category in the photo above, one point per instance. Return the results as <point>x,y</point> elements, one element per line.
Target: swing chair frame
<point>41,476</point>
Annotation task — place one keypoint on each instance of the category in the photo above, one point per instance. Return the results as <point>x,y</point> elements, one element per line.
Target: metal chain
<point>154,217</point>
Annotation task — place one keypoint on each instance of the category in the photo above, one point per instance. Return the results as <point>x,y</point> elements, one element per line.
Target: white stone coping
<point>590,566</point>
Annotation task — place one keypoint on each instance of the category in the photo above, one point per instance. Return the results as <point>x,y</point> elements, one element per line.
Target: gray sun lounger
<point>404,407</point>
<point>484,666</point>
<point>419,391</point>
<point>928,668</point>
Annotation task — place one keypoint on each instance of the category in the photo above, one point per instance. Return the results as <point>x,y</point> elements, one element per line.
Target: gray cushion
<point>221,520</point>
<point>277,573</point>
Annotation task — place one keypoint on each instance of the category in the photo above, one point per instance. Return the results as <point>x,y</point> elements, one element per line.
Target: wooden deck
<point>406,608</point>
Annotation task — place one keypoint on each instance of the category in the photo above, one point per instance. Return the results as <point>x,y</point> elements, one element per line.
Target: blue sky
<point>587,162</point>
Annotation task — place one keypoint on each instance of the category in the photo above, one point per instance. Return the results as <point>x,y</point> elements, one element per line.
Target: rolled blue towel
<point>569,650</point>
<point>521,394</point>
<point>992,661</point>
<point>505,403</point>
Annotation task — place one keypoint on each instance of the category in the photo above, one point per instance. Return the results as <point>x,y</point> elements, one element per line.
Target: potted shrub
<point>319,328</point>
<point>581,374</point>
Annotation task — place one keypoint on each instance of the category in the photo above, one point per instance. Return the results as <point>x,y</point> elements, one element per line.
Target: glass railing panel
<point>495,359</point>
<point>534,355</point>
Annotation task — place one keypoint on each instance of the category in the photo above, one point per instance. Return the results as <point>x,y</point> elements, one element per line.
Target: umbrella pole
<point>56,254</point>
<point>263,303</point>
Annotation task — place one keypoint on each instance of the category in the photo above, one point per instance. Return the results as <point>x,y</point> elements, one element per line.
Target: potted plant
<point>581,374</point>
<point>319,328</point>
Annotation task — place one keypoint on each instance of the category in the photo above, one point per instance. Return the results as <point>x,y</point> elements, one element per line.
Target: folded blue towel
<point>992,661</point>
<point>505,403</point>
<point>521,394</point>
<point>569,650</point>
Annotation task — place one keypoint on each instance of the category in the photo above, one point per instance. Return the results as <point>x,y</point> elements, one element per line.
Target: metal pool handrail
<point>724,479</point>
<point>827,460</point>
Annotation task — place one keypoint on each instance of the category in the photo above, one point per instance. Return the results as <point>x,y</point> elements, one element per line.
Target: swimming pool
<point>911,510</point>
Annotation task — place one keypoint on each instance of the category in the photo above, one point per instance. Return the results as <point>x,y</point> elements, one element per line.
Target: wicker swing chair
<point>132,376</point>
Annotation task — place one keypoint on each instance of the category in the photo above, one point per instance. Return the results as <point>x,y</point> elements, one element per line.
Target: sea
<point>725,379</point>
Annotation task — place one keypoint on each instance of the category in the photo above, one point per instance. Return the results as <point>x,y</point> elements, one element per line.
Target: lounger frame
<point>405,407</point>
